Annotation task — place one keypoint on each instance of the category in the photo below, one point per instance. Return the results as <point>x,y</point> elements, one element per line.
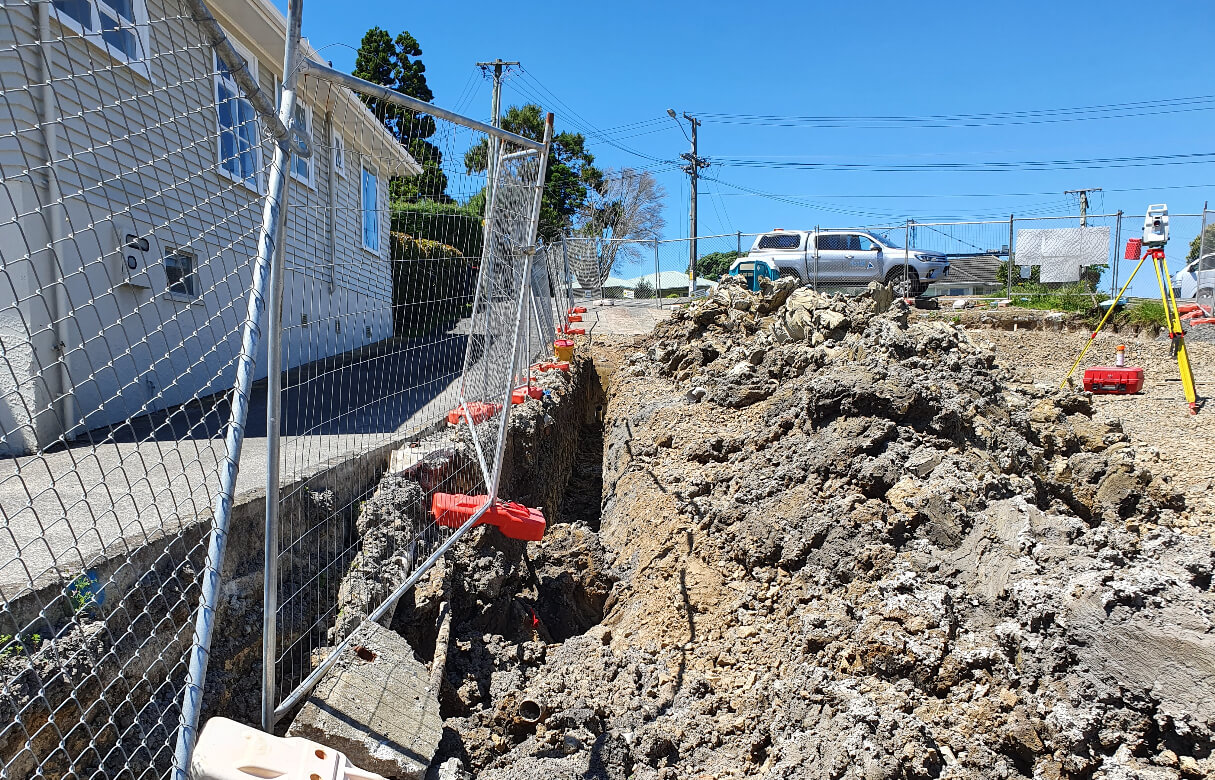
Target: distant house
<point>970,276</point>
<point>671,282</point>
<point>141,207</point>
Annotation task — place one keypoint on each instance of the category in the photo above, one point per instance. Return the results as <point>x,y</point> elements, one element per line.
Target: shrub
<point>432,284</point>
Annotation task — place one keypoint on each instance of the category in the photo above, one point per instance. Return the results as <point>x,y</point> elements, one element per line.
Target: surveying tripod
<point>1171,316</point>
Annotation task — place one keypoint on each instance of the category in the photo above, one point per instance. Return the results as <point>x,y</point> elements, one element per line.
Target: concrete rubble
<point>374,707</point>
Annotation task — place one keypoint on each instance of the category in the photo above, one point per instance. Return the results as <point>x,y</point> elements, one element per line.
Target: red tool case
<point>1111,379</point>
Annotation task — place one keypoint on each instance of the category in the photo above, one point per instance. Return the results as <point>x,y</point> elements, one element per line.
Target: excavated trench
<point>805,538</point>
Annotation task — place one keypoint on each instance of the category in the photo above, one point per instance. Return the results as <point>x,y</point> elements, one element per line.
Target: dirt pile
<point>846,546</point>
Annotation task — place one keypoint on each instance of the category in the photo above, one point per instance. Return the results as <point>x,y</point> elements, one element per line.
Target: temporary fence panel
<point>133,170</point>
<point>401,343</point>
<point>1204,272</point>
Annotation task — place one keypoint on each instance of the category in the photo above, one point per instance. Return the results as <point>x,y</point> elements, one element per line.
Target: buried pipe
<point>531,711</point>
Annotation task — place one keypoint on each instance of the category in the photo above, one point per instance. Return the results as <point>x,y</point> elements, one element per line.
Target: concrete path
<point>61,509</point>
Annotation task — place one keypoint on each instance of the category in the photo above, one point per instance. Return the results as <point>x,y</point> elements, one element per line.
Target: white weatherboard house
<point>140,209</point>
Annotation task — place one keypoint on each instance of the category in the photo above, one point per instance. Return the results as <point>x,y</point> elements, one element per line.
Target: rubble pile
<point>835,544</point>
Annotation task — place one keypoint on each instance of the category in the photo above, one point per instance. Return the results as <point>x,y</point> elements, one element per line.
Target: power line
<point>937,121</point>
<point>980,167</point>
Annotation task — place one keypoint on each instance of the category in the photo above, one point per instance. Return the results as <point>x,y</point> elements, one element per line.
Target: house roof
<point>973,270</point>
<point>261,28</point>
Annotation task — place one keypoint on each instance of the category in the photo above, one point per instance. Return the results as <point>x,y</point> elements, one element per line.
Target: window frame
<point>775,243</point>
<point>365,168</point>
<point>96,37</point>
<point>258,186</point>
<point>191,275</point>
<point>338,156</point>
<point>310,180</point>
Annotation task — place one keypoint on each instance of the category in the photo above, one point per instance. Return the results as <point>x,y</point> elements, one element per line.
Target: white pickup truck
<point>849,258</point>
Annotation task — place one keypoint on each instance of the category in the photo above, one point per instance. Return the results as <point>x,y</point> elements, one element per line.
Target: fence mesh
<point>132,177</point>
<point>398,344</point>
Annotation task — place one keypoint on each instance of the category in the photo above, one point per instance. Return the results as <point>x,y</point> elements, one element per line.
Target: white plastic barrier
<point>228,750</point>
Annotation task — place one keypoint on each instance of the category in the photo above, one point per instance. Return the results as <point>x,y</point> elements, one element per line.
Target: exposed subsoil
<point>833,543</point>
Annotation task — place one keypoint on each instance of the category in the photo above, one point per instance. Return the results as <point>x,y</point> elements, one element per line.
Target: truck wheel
<point>908,287</point>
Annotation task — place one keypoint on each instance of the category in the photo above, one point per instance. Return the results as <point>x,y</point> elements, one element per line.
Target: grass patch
<point>1076,298</point>
<point>1146,313</point>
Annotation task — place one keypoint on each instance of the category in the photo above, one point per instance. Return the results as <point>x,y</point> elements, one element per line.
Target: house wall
<point>139,153</point>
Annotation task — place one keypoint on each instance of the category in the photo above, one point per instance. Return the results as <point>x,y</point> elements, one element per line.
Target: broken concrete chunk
<point>374,707</point>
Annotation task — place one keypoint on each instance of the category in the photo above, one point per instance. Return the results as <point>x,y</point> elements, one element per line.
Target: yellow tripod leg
<point>1176,335</point>
<point>1101,324</point>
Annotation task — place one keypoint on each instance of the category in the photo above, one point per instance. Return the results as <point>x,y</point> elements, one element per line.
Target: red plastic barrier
<point>515,521</point>
<point>477,412</point>
<point>521,394</point>
<point>559,365</point>
<point>577,310</point>
<point>573,331</point>
<point>574,317</point>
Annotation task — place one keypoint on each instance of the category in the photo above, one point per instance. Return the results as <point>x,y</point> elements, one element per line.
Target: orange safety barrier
<point>521,394</point>
<point>515,521</point>
<point>574,317</point>
<point>560,365</point>
<point>572,331</point>
<point>577,310</point>
<point>476,412</point>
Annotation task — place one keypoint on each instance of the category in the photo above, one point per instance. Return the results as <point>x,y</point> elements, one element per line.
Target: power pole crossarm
<point>1083,193</point>
<point>500,67</point>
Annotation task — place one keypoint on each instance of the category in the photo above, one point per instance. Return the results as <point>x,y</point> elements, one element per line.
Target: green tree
<point>715,264</point>
<point>643,289</point>
<point>396,63</point>
<point>571,173</point>
<point>1196,244</point>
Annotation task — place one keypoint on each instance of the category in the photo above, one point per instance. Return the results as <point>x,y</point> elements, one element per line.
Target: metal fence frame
<point>527,308</point>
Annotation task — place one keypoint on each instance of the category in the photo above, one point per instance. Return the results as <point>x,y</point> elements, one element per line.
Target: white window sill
<point>227,175</point>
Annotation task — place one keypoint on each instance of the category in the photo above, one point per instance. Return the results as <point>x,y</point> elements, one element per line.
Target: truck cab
<point>849,258</point>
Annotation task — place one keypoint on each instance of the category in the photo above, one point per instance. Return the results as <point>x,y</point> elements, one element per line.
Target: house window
<point>240,153</point>
<point>371,217</point>
<point>117,25</point>
<point>301,167</point>
<point>339,154</point>
<point>181,274</point>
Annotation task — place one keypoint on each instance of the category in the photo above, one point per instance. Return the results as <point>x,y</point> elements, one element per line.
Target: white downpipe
<point>60,306</point>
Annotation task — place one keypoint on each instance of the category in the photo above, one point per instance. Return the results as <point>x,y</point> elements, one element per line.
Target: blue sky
<point>610,70</point>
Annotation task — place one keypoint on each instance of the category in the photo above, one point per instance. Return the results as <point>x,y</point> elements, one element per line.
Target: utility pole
<point>500,67</point>
<point>693,167</point>
<point>1083,193</point>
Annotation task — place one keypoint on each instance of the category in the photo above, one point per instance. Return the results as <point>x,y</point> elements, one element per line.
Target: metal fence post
<point>816,231</point>
<point>1011,266</point>
<point>657,277</point>
<point>1117,244</point>
<point>738,241</point>
<point>268,239</point>
<point>906,250</point>
<point>274,368</point>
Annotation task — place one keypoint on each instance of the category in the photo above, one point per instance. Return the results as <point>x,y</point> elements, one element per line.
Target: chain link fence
<point>169,196</point>
<point>133,172</point>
